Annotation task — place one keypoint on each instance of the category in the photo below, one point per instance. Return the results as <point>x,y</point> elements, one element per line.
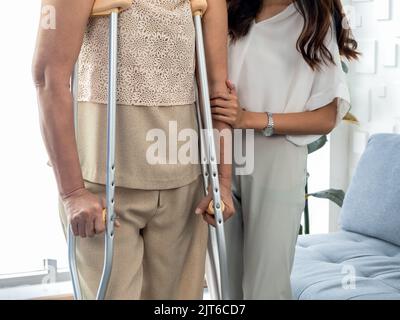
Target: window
<point>318,167</point>
<point>30,229</point>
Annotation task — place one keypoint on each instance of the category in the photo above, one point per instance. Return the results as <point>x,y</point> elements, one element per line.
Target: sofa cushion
<point>372,203</point>
<point>324,265</point>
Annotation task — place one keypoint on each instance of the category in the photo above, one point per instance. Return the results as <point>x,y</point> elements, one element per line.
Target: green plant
<point>334,195</point>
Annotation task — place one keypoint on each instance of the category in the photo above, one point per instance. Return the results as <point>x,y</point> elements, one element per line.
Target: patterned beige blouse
<point>156,55</point>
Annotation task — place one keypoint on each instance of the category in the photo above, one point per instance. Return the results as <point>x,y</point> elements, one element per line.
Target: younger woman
<point>285,63</point>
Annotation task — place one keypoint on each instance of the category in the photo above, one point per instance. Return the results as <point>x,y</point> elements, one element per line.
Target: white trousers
<point>262,235</point>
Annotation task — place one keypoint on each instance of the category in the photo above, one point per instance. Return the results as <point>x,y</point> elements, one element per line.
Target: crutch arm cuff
<point>106,7</point>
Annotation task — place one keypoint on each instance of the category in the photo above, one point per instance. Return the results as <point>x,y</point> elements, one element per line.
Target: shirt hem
<point>141,184</point>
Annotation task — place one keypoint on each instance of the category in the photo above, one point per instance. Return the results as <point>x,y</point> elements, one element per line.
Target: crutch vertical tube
<point>110,179</point>
<point>212,263</point>
<point>199,8</point>
<point>71,241</point>
<point>212,266</point>
<point>74,91</point>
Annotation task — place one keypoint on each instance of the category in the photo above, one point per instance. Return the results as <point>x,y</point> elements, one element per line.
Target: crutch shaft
<point>74,91</point>
<point>102,8</point>
<point>212,156</point>
<point>213,266</point>
<point>110,180</point>
<point>72,264</point>
<point>212,262</point>
<point>71,241</point>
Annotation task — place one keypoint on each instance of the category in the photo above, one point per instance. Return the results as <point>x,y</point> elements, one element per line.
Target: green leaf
<point>334,195</point>
<point>315,146</point>
<point>345,67</point>
<point>349,117</point>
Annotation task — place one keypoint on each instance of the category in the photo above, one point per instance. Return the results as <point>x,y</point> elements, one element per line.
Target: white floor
<point>36,291</point>
<point>46,290</point>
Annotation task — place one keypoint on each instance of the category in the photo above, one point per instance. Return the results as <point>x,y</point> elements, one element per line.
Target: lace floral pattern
<point>156,55</point>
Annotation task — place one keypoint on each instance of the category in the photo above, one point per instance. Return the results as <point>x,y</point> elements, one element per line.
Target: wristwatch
<point>269,130</point>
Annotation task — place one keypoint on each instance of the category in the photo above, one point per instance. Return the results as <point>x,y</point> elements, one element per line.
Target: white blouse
<point>272,76</point>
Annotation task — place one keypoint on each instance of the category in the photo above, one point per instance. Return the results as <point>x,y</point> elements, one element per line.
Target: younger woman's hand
<point>226,108</point>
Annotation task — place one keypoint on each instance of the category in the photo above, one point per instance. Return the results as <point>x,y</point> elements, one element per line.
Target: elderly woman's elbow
<point>50,76</point>
<point>38,72</point>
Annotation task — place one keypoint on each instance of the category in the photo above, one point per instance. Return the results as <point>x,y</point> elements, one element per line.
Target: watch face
<point>268,132</point>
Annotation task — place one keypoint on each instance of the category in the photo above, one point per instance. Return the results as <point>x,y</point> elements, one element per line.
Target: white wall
<point>30,229</point>
<point>374,84</point>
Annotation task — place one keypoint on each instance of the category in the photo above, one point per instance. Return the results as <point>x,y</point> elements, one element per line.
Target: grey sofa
<point>362,260</point>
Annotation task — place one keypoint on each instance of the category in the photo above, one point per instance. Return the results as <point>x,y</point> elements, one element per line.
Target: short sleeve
<point>329,84</point>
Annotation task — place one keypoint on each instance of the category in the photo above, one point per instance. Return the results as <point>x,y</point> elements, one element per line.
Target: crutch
<point>212,260</point>
<point>103,8</point>
<point>217,255</point>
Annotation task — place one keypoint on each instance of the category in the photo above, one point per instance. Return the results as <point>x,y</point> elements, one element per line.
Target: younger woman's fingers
<point>224,112</point>
<point>231,87</point>
<point>221,111</point>
<point>220,95</point>
<point>228,105</point>
<point>224,96</point>
<point>220,103</point>
<point>223,119</point>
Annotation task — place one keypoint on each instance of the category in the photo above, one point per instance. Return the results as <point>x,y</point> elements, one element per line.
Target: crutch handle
<point>106,7</point>
<point>199,7</point>
<point>210,209</point>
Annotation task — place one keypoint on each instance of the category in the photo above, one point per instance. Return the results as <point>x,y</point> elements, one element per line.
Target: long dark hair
<point>318,16</point>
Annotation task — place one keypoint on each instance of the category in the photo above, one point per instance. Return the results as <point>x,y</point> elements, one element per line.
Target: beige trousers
<point>159,249</point>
